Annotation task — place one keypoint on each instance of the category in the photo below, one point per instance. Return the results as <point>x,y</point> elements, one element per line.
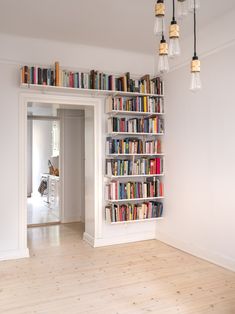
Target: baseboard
<point>118,240</point>
<point>14,254</point>
<point>70,220</point>
<point>88,238</point>
<point>211,257</point>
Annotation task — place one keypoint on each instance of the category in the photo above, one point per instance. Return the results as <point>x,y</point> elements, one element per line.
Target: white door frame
<point>60,99</point>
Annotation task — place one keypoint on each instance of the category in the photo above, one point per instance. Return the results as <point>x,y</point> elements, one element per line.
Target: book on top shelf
<point>55,76</point>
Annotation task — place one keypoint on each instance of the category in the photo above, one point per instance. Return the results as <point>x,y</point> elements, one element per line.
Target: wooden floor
<point>65,276</point>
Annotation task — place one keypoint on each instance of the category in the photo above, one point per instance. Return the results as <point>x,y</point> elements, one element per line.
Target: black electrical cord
<point>195,33</point>
<point>173,18</point>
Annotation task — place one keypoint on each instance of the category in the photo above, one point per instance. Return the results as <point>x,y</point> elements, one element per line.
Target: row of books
<point>136,125</point>
<point>133,146</point>
<point>142,166</point>
<point>136,104</point>
<point>55,76</point>
<point>129,212</point>
<point>117,190</point>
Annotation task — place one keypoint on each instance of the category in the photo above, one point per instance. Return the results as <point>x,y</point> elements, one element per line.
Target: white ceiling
<point>120,24</point>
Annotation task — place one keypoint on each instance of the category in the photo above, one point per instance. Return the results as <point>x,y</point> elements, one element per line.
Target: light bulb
<point>174,47</point>
<point>163,64</point>
<point>196,83</point>
<point>182,8</point>
<point>193,3</point>
<point>159,25</point>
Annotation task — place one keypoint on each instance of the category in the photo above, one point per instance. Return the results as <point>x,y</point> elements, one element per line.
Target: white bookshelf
<point>134,113</point>
<point>134,176</point>
<point>92,92</point>
<point>126,200</point>
<point>110,112</point>
<point>134,221</point>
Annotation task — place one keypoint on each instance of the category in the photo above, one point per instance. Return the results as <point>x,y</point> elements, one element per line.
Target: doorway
<point>92,108</point>
<point>43,163</point>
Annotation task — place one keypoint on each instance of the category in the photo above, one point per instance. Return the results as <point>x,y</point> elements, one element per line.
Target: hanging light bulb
<point>159,25</point>
<point>182,8</point>
<point>195,64</point>
<point>163,63</point>
<point>174,45</point>
<point>196,83</point>
<point>193,4</point>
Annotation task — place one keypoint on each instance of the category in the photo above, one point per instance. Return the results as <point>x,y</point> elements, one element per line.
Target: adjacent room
<point>117,159</point>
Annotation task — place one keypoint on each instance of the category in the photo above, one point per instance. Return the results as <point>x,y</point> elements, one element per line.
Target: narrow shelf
<point>135,199</point>
<point>96,92</point>
<point>126,155</point>
<point>135,176</point>
<point>134,113</point>
<point>133,221</point>
<point>134,134</point>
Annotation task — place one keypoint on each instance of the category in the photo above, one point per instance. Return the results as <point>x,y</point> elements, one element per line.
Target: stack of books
<point>55,76</point>
<point>151,188</point>
<point>143,166</point>
<point>129,212</point>
<point>136,104</point>
<point>136,125</point>
<point>132,146</point>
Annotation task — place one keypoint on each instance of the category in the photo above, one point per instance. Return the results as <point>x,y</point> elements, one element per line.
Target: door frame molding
<point>63,100</point>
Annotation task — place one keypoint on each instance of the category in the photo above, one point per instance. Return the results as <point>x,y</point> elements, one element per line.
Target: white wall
<point>15,52</point>
<point>42,150</point>
<point>200,158</point>
<point>73,166</point>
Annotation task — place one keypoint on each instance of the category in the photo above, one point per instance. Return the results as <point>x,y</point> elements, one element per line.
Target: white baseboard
<point>70,220</point>
<point>118,240</point>
<point>211,257</point>
<point>14,254</point>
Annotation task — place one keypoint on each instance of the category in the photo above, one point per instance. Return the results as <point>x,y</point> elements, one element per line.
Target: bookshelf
<point>134,159</point>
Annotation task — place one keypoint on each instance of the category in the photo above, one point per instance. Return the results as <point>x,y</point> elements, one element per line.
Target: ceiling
<point>118,24</point>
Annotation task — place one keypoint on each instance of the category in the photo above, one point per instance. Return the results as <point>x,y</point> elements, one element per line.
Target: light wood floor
<point>65,276</point>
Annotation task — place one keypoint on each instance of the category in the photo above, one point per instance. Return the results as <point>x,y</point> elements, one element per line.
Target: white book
<point>109,168</point>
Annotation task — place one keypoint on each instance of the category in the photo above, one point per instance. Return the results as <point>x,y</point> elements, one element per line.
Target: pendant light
<point>193,4</point>
<point>159,25</point>
<point>182,8</point>
<point>174,45</point>
<point>195,64</point>
<point>163,63</point>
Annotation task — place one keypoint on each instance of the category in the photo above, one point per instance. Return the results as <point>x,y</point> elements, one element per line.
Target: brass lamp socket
<point>174,30</point>
<point>163,48</point>
<point>160,8</point>
<point>195,65</point>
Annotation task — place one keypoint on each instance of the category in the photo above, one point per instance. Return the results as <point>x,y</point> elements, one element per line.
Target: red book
<point>158,163</point>
<point>161,189</point>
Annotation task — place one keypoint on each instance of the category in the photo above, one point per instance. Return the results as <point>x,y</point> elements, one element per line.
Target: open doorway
<point>43,163</point>
<point>56,164</point>
<point>92,164</point>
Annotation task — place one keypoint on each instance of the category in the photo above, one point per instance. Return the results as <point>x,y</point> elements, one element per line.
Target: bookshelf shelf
<point>136,199</point>
<point>134,134</point>
<point>133,155</point>
<point>92,92</point>
<point>133,221</point>
<point>134,113</point>
<point>135,176</point>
